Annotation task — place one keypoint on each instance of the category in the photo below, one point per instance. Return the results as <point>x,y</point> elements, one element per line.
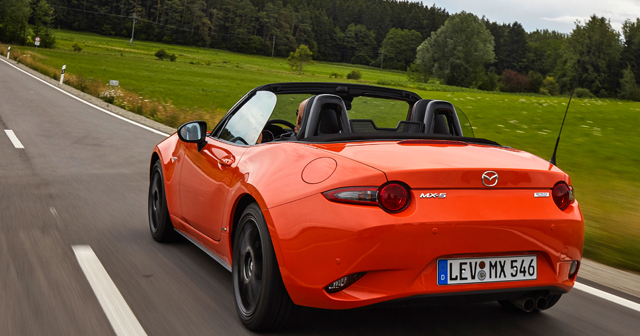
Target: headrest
<point>315,116</point>
<point>328,123</point>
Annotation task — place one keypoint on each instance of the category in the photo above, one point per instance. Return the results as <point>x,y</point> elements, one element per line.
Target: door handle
<point>226,161</point>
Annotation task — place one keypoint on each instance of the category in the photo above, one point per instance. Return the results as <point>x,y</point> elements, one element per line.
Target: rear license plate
<point>494,269</point>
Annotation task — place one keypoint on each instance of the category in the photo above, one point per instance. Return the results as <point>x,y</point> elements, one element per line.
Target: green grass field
<point>598,147</point>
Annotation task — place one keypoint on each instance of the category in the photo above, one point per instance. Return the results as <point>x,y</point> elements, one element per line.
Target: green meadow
<point>598,146</point>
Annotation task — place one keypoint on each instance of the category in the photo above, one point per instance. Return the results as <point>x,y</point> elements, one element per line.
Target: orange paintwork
<point>317,241</point>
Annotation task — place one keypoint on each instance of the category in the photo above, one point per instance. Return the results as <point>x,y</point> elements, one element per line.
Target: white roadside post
<point>62,74</point>
<point>8,52</point>
<point>37,43</point>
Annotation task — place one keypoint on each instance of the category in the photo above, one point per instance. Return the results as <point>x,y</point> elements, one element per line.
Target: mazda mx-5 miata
<point>339,196</point>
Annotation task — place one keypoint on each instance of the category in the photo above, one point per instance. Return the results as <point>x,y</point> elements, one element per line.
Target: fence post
<point>62,74</point>
<point>8,52</point>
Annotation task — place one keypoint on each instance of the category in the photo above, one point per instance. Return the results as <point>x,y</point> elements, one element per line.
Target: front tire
<point>262,301</point>
<point>159,221</point>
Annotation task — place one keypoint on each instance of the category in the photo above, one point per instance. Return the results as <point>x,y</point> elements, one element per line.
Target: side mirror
<point>193,132</point>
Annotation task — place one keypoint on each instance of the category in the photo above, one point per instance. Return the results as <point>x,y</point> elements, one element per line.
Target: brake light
<point>354,195</point>
<point>394,197</point>
<point>563,195</point>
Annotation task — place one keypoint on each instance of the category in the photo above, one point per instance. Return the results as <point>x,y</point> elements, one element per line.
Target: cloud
<point>565,19</point>
<point>545,14</point>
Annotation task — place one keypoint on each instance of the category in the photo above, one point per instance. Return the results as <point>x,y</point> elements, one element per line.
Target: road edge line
<point>607,296</point>
<point>122,319</point>
<point>88,103</point>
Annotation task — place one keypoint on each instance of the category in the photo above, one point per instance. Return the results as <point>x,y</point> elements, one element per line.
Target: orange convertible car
<point>339,196</point>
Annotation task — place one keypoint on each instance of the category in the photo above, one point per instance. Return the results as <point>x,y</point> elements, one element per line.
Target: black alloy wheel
<point>262,301</point>
<point>159,221</point>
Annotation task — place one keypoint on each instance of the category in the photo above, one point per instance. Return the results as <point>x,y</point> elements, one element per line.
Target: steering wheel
<point>281,122</point>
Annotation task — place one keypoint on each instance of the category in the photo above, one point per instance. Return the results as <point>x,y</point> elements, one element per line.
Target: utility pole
<point>273,48</point>
<point>134,17</point>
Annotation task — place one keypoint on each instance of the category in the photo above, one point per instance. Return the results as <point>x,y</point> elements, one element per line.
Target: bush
<point>335,75</point>
<point>173,57</point>
<point>583,93</point>
<point>76,47</point>
<point>161,54</point>
<point>490,81</point>
<point>208,62</point>
<point>355,74</point>
<point>544,91</point>
<point>513,81</point>
<point>536,79</point>
<point>550,86</point>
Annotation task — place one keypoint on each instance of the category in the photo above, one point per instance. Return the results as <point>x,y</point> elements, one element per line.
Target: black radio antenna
<point>573,87</point>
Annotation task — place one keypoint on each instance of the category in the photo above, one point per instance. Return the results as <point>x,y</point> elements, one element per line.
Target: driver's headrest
<point>324,114</point>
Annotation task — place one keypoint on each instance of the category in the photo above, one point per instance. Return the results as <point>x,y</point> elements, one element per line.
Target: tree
<point>545,49</point>
<point>515,48</point>
<point>298,58</point>
<point>593,54</point>
<point>631,52</point>
<point>43,18</point>
<point>15,15</point>
<point>359,44</point>
<point>458,52</point>
<point>628,86</point>
<point>398,49</point>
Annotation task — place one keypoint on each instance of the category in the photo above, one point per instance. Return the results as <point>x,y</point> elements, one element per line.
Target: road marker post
<point>8,52</point>
<point>62,74</point>
<point>37,43</point>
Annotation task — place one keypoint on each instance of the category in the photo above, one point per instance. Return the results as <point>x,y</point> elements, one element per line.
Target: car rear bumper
<point>321,241</point>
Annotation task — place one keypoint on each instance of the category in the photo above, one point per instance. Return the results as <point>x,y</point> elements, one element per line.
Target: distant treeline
<point>381,33</point>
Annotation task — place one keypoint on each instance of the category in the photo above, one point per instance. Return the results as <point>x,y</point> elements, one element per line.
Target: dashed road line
<point>607,296</point>
<point>14,139</point>
<point>122,319</point>
<point>92,105</point>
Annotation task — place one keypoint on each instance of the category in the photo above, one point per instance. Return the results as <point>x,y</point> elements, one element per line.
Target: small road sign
<point>114,83</point>
<point>37,39</point>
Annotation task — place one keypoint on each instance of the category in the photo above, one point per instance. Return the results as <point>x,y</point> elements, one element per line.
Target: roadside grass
<point>597,147</point>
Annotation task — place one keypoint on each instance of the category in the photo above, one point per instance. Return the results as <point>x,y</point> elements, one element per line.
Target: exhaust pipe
<point>541,303</point>
<point>525,303</point>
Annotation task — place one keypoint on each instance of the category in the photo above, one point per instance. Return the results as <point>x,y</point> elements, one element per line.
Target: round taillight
<point>394,197</point>
<point>562,195</point>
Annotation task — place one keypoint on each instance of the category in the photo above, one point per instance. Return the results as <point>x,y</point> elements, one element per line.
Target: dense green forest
<point>390,34</point>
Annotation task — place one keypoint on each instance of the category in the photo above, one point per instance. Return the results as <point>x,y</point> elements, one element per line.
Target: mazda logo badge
<point>490,178</point>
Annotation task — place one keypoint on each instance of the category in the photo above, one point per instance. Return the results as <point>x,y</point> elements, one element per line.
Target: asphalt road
<point>82,179</point>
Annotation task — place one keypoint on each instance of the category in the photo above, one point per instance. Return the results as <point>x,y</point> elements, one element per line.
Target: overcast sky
<point>557,15</point>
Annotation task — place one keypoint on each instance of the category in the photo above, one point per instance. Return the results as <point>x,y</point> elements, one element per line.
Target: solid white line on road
<point>14,139</point>
<point>120,316</point>
<point>609,297</point>
<point>92,105</point>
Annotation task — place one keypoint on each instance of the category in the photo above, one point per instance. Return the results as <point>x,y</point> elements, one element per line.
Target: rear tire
<point>262,301</point>
<point>159,221</point>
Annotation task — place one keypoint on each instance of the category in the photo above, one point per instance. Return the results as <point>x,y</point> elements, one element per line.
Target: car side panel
<point>272,175</point>
<point>171,169</point>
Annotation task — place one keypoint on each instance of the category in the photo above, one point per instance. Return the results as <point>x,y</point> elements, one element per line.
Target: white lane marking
<point>92,105</point>
<point>609,297</point>
<point>56,216</point>
<point>14,139</point>
<point>120,316</point>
